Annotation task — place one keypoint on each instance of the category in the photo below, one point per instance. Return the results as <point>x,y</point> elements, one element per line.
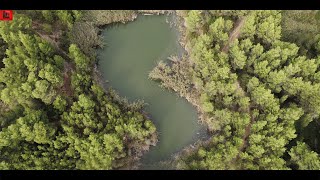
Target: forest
<point>253,75</point>
<point>54,113</point>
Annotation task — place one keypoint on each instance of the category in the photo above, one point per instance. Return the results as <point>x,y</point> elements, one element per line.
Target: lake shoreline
<point>134,160</point>
<point>191,97</point>
<point>177,23</point>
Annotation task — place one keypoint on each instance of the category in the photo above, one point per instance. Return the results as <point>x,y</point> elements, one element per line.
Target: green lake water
<point>132,51</point>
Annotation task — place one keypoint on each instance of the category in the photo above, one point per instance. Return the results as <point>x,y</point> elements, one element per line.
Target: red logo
<point>6,15</point>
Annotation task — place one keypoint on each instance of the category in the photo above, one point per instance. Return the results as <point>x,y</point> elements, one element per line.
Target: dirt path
<point>248,128</point>
<point>234,34</point>
<point>246,135</point>
<point>52,39</point>
<point>66,88</point>
<point>68,67</point>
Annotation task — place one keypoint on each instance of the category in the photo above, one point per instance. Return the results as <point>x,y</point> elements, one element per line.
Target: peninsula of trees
<point>254,77</point>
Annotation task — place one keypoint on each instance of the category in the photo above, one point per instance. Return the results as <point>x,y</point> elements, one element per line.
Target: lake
<point>132,51</point>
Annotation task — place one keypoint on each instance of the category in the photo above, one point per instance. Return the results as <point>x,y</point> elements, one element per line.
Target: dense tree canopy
<point>255,91</point>
<point>252,76</point>
<point>48,122</point>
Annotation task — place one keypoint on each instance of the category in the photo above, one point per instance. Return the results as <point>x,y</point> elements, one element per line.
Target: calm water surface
<point>132,51</point>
